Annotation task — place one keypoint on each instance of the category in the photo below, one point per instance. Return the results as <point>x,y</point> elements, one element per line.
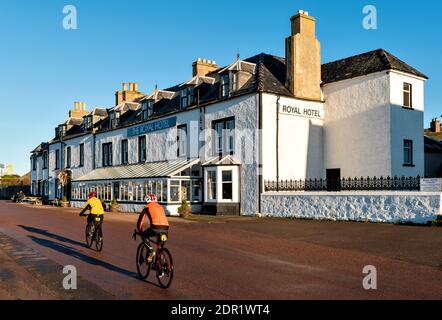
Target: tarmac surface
<point>218,258</point>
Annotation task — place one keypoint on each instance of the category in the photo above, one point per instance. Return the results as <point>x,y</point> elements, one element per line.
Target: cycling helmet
<point>151,198</point>
<point>92,194</point>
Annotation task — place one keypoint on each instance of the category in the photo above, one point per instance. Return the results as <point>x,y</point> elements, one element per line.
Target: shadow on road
<point>81,256</point>
<point>53,236</point>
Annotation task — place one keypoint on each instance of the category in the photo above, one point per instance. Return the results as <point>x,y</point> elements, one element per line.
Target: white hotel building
<point>216,138</point>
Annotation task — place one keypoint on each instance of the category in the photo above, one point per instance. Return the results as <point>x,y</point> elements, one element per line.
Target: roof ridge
<point>355,56</point>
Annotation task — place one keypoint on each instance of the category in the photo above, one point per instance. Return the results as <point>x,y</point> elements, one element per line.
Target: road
<point>218,258</point>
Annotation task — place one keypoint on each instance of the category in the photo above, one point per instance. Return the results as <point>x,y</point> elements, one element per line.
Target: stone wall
<point>390,207</point>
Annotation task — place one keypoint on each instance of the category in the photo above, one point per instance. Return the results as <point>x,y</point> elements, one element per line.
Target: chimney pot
<point>135,86</point>
<point>124,86</point>
<point>202,67</point>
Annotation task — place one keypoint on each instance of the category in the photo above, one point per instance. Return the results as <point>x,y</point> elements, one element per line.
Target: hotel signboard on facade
<point>151,127</point>
<point>308,112</point>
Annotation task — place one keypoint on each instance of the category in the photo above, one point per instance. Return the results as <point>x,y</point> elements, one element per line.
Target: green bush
<point>64,199</point>
<point>184,210</point>
<point>114,202</point>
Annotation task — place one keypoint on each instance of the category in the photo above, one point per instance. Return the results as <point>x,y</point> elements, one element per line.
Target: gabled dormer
<point>149,101</point>
<point>235,76</point>
<point>190,90</point>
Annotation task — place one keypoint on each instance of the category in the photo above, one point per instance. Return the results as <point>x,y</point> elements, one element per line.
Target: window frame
<point>212,185</point>
<point>34,163</point>
<point>408,91</point>
<point>107,154</point>
<point>140,158</point>
<point>144,110</point>
<point>222,142</point>
<point>57,159</point>
<point>225,85</point>
<point>68,157</point>
<point>124,151</point>
<point>81,154</point>
<point>184,103</point>
<point>408,153</point>
<point>223,182</point>
<point>180,142</point>
<point>112,120</point>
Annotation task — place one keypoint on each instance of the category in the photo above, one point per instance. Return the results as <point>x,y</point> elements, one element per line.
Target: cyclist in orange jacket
<point>157,218</point>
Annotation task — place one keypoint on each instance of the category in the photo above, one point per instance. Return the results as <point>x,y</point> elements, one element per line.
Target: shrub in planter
<point>114,206</point>
<point>184,210</point>
<point>64,202</point>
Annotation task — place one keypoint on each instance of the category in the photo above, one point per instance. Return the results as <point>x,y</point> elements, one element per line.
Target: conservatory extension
<point>170,181</point>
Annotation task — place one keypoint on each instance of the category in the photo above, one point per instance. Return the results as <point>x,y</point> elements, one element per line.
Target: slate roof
<point>268,74</point>
<point>364,64</point>
<point>139,171</point>
<point>432,145</point>
<point>40,148</point>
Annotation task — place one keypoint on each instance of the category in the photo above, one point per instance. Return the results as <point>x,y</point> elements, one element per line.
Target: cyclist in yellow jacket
<point>96,208</point>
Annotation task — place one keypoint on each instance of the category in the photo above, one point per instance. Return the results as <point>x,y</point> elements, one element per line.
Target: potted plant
<point>64,202</point>
<point>113,206</point>
<point>184,210</point>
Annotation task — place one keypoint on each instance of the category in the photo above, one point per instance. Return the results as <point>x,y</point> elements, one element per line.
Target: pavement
<point>223,258</point>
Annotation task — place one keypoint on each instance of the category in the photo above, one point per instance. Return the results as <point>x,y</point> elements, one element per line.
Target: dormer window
<point>191,98</point>
<point>225,86</point>
<point>149,108</point>
<point>114,118</point>
<point>117,118</point>
<point>234,81</point>
<point>184,102</point>
<point>187,97</point>
<point>62,130</point>
<point>146,109</point>
<point>87,123</point>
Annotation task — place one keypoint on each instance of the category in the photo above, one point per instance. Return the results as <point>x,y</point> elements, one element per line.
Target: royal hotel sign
<point>308,112</point>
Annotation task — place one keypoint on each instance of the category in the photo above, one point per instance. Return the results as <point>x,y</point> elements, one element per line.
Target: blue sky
<point>45,68</point>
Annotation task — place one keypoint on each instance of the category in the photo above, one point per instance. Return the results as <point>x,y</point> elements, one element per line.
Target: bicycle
<point>94,233</point>
<point>158,259</point>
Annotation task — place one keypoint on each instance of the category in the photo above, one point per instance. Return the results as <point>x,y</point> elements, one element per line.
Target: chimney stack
<point>202,67</point>
<point>129,93</point>
<point>79,110</point>
<point>435,125</point>
<point>303,58</point>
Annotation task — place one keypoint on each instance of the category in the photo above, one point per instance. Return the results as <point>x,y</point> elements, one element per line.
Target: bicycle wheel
<point>164,268</point>
<point>143,266</point>
<point>99,239</point>
<point>89,234</point>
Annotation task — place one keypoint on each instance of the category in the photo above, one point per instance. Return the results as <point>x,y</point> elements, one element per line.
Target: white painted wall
<point>300,141</point>
<point>74,144</point>
<point>245,110</point>
<point>365,125</point>
<point>161,145</point>
<point>53,173</point>
<point>357,126</point>
<point>406,124</point>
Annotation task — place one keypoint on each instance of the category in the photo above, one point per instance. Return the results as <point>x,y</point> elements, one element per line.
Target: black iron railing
<point>350,184</point>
